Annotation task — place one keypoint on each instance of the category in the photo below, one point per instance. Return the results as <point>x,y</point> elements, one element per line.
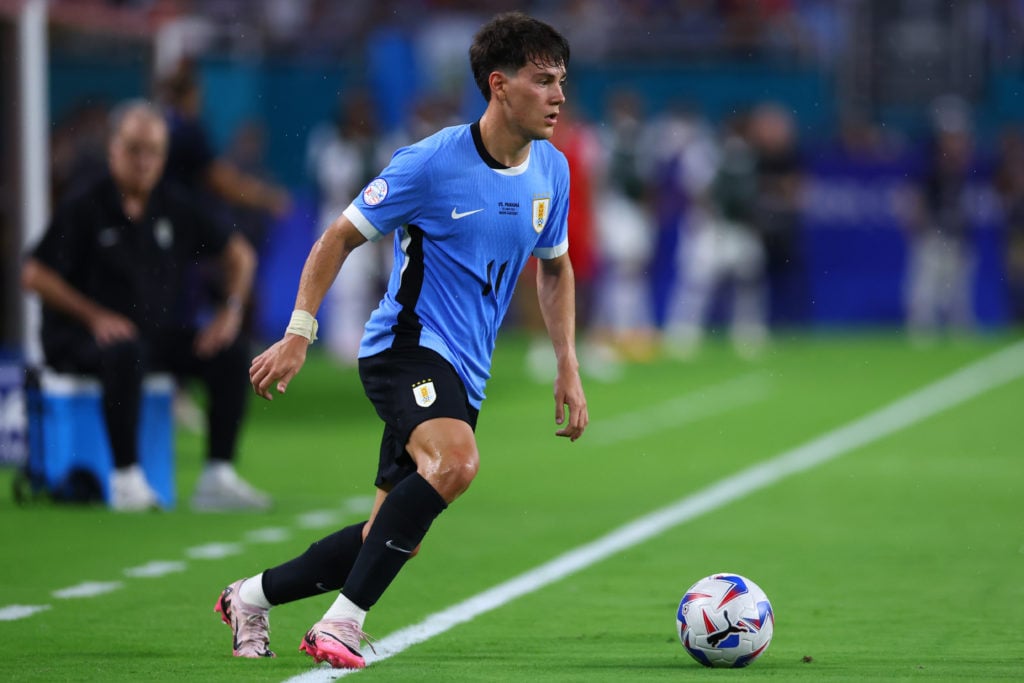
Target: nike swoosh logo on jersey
<point>391,544</point>
<point>456,215</point>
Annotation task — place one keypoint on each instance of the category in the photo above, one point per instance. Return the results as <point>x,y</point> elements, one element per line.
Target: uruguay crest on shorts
<point>424,393</point>
<point>541,209</point>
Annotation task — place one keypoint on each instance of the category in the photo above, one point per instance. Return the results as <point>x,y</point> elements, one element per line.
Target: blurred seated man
<point>111,270</point>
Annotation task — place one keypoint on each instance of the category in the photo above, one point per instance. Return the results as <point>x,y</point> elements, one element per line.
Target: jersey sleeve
<point>554,239</point>
<point>393,198</point>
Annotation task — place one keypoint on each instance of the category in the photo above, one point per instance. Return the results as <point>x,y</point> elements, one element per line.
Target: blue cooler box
<point>66,431</point>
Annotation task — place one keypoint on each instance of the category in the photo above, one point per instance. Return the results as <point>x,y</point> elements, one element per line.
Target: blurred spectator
<point>810,30</point>
<point>722,248</point>
<point>755,29</point>
<point>772,136</point>
<point>283,21</point>
<point>342,157</point>
<point>1009,182</point>
<point>431,113</point>
<point>685,164</point>
<point>247,152</point>
<point>588,26</point>
<point>863,141</point>
<point>216,182</point>
<point>192,161</point>
<point>110,271</point>
<point>939,292</point>
<point>579,142</point>
<point>623,315</point>
<point>577,139</point>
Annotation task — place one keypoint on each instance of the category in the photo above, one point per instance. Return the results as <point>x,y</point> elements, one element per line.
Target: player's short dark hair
<point>511,40</point>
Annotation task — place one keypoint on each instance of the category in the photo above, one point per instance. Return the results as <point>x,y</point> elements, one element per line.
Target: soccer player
<point>468,206</point>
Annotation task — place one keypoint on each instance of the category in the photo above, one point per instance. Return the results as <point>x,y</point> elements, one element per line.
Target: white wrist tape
<point>303,324</point>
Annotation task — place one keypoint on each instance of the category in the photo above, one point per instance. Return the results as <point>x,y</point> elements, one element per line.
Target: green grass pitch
<point>903,559</point>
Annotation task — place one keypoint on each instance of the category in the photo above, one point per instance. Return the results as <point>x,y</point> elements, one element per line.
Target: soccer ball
<point>725,620</point>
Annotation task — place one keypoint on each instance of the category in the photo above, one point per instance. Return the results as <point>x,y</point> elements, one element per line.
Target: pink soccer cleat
<point>249,624</point>
<point>336,641</point>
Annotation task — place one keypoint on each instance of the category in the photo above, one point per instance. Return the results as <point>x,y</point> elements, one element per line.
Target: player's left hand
<point>569,398</point>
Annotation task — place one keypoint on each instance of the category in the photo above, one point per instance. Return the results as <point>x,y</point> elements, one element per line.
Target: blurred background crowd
<point>739,166</point>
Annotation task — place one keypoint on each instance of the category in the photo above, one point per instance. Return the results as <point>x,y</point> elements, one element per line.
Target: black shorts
<point>408,387</point>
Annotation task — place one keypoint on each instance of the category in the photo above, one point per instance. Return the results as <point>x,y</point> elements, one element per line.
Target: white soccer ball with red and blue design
<point>725,620</point>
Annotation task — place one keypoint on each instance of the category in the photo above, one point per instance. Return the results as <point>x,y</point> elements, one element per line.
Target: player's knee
<point>448,461</point>
<point>464,465</point>
<point>456,471</point>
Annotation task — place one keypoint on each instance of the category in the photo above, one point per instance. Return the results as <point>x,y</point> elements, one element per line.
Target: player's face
<point>137,153</point>
<point>533,96</point>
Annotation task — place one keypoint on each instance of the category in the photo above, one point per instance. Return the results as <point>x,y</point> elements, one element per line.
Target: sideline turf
<point>902,560</point>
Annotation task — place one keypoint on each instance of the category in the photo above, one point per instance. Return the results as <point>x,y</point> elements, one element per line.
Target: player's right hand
<point>278,365</point>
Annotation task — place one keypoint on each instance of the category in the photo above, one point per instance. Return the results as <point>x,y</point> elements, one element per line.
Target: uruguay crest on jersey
<point>424,393</point>
<point>541,209</point>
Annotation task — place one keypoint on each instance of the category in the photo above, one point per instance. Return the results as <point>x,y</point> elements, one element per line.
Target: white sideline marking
<point>270,534</point>
<point>357,504</point>
<point>155,569</point>
<point>209,551</point>
<point>213,551</point>
<point>691,407</point>
<point>14,612</point>
<point>995,370</point>
<point>318,518</point>
<point>89,589</point>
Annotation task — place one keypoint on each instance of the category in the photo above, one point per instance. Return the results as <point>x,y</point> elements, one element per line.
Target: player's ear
<point>498,82</point>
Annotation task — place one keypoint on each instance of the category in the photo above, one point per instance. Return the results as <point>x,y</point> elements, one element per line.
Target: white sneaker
<point>130,492</point>
<point>221,489</point>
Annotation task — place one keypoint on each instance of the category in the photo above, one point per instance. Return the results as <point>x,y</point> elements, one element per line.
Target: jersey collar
<point>491,162</point>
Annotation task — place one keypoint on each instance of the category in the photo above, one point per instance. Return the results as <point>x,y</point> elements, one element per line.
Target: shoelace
<point>352,631</point>
<point>369,641</point>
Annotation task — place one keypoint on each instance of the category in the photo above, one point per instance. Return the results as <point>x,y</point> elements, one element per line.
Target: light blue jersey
<point>464,229</point>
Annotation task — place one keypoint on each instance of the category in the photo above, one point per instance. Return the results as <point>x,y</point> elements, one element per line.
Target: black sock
<point>323,567</point>
<point>400,525</point>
